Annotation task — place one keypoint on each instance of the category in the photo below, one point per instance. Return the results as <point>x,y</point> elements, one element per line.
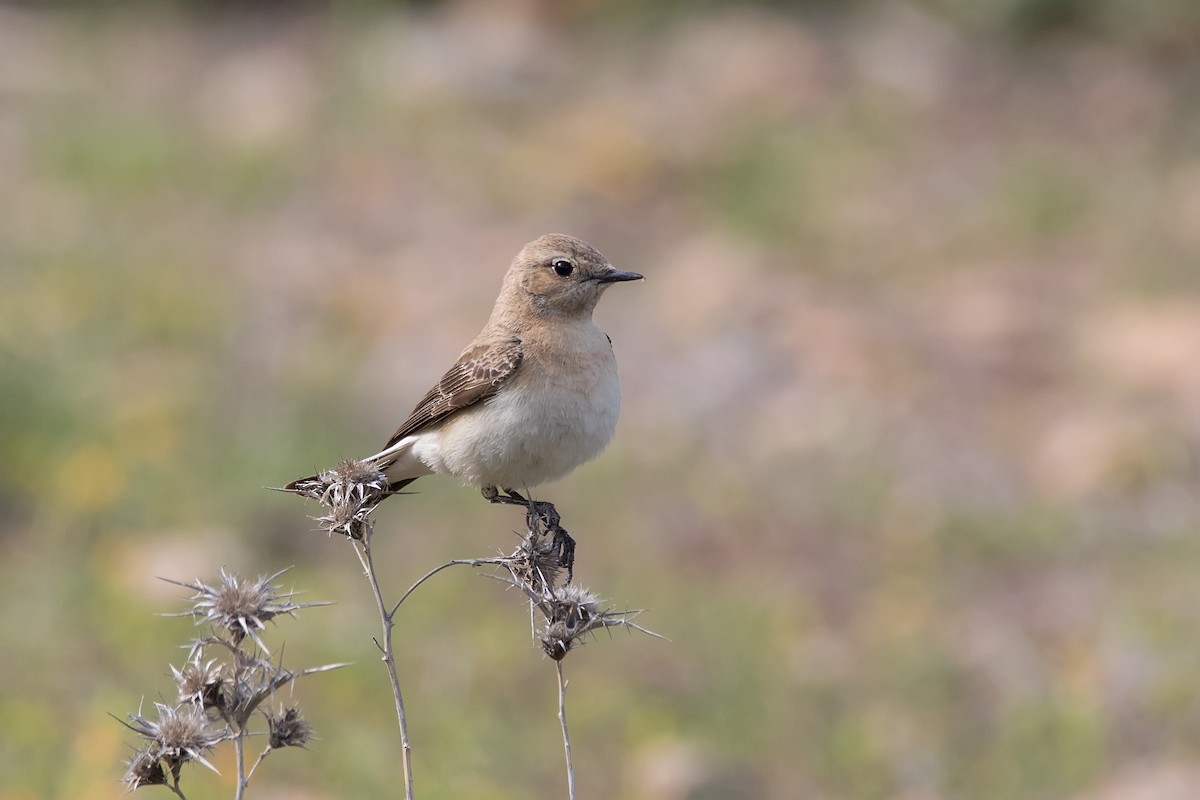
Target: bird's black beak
<point>619,275</point>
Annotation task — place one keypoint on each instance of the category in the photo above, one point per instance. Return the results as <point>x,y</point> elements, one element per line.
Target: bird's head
<point>559,275</point>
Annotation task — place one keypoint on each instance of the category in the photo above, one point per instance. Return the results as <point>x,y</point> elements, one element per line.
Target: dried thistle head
<point>179,735</point>
<point>571,612</point>
<point>241,607</point>
<point>200,682</point>
<point>351,491</point>
<point>287,728</point>
<point>534,564</point>
<point>144,768</point>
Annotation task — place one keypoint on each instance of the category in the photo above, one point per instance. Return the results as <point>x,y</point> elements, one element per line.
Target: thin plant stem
<point>467,562</point>
<point>240,750</point>
<point>239,741</point>
<point>562,718</point>
<point>261,757</point>
<point>174,787</point>
<point>362,547</point>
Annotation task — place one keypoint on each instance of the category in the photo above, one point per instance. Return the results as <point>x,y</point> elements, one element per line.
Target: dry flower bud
<point>287,728</point>
<point>241,607</point>
<point>351,491</point>
<point>178,735</point>
<point>144,768</point>
<point>571,612</point>
<point>200,683</point>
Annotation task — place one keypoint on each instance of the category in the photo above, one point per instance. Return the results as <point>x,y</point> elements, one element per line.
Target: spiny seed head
<point>348,519</point>
<point>570,611</point>
<point>556,643</point>
<point>144,768</point>
<point>200,682</point>
<point>350,491</point>
<point>573,604</point>
<point>351,473</point>
<point>286,728</point>
<point>534,564</point>
<point>179,735</point>
<point>241,607</point>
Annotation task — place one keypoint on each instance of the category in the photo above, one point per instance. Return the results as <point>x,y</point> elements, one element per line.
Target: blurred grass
<point>908,464</point>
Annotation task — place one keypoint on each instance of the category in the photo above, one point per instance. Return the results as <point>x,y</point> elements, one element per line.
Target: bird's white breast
<point>559,411</point>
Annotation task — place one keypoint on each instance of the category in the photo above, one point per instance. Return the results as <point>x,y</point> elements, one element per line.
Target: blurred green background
<point>909,461</point>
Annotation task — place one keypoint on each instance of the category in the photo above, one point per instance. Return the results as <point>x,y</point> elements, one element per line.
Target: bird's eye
<point>562,267</point>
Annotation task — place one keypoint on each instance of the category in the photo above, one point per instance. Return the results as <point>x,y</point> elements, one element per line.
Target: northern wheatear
<point>534,396</point>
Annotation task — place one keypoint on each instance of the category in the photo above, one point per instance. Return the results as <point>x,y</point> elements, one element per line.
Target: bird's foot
<point>542,515</point>
<point>565,546</point>
<point>539,514</point>
<point>507,497</point>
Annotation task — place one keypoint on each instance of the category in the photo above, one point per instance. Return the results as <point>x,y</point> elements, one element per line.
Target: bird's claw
<point>540,514</point>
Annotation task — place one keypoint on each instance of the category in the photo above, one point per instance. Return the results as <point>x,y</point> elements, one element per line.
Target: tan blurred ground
<point>908,464</point>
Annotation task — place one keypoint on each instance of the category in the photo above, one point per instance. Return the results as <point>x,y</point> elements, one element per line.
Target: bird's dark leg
<point>565,545</point>
<point>539,513</point>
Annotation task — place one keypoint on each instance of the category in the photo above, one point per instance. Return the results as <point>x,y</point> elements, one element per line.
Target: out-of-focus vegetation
<point>908,468</point>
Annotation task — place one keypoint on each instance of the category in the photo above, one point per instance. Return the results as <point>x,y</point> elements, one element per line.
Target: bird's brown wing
<point>478,374</point>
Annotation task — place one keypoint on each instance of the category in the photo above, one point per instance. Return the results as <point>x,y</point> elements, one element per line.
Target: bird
<point>535,394</point>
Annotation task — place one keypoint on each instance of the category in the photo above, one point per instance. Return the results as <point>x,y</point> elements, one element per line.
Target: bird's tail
<point>372,471</point>
<point>295,486</point>
<point>306,485</point>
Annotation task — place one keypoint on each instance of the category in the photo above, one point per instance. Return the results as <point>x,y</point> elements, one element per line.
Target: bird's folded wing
<point>478,374</point>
